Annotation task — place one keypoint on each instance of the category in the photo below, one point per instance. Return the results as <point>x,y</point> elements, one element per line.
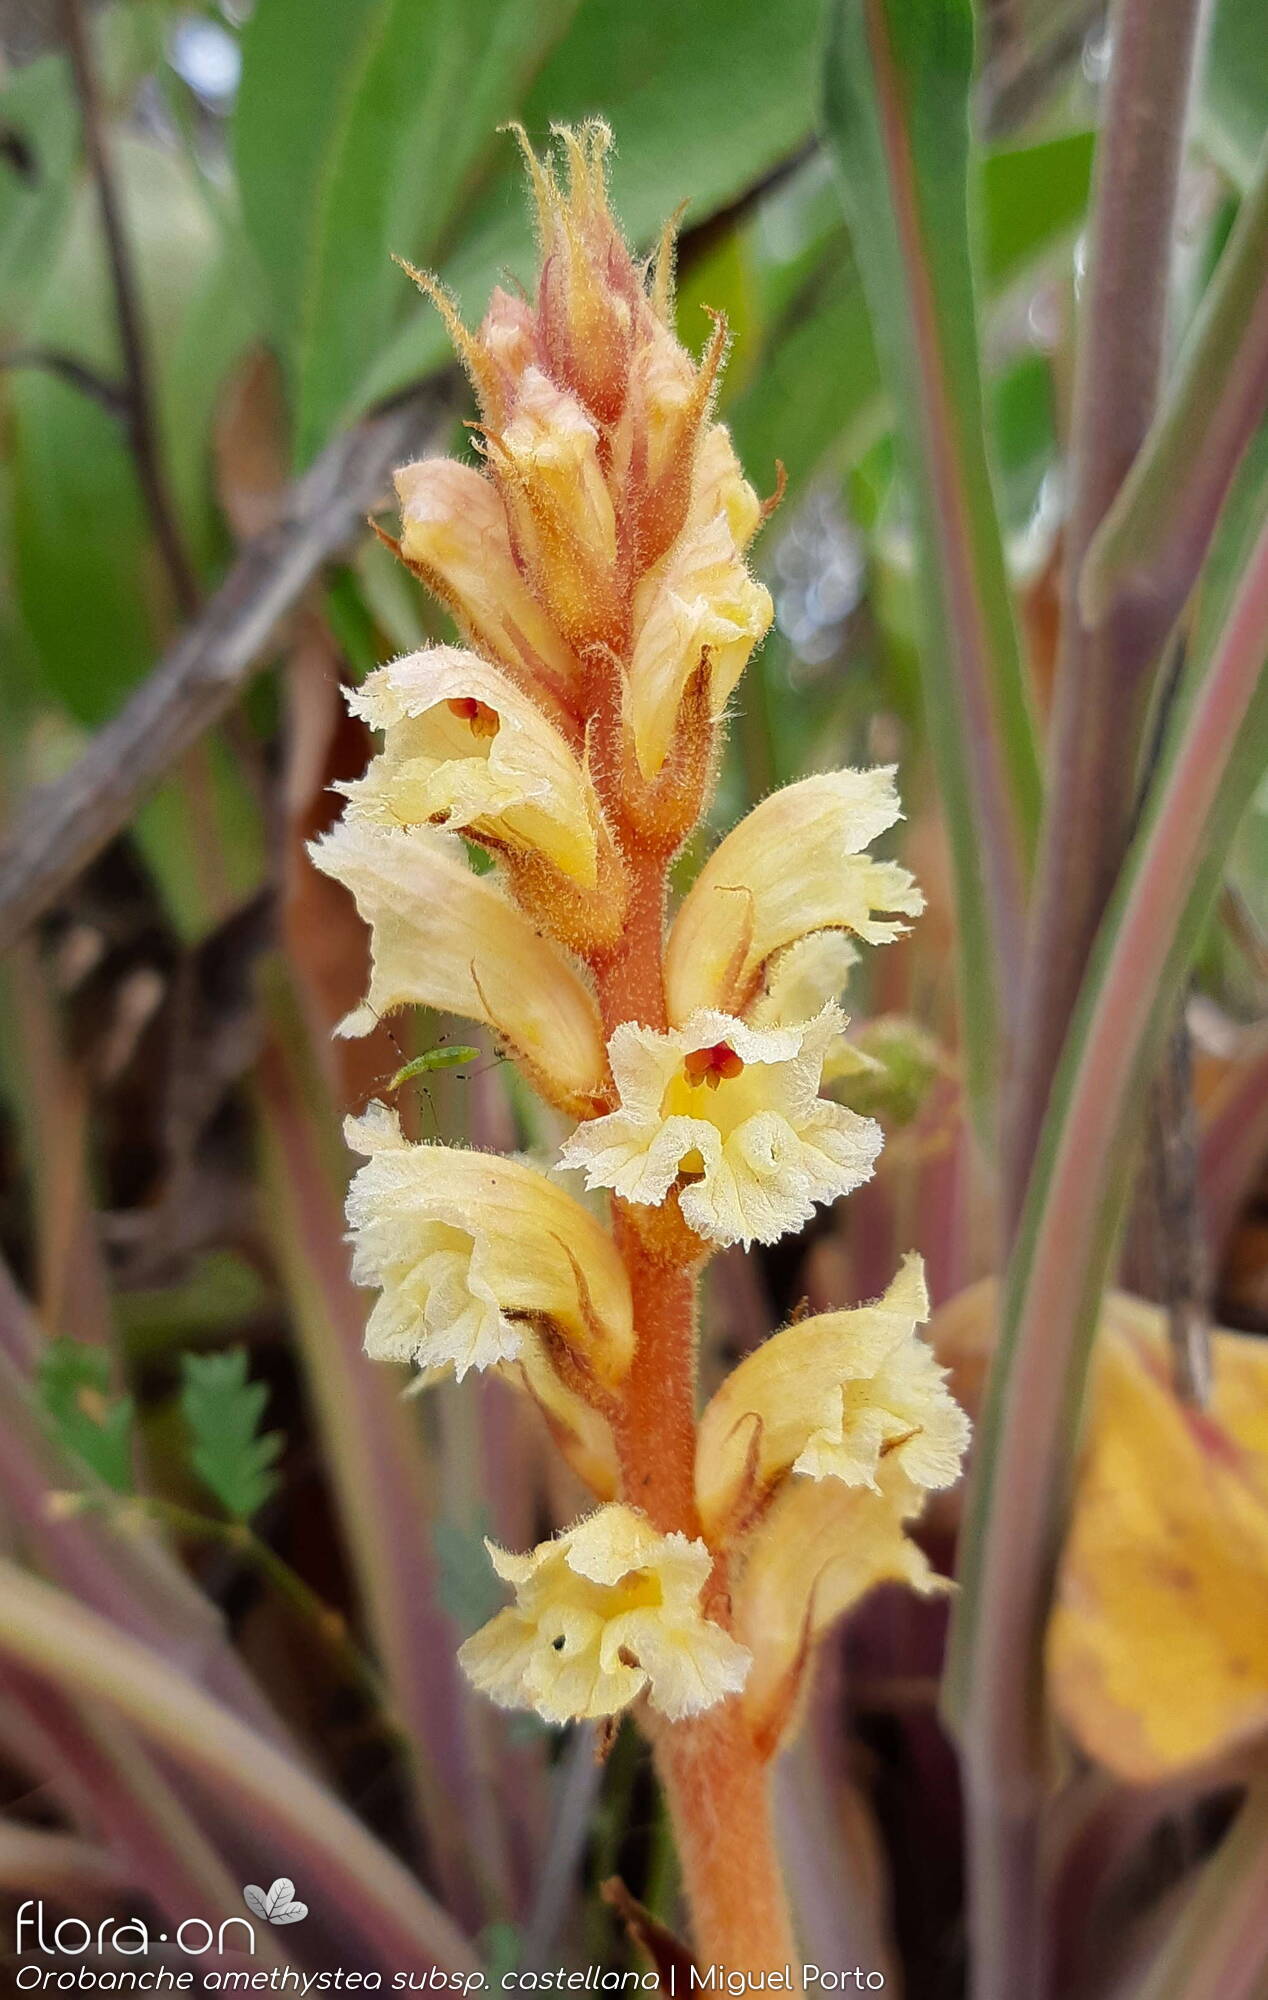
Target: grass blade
<point>897,124</point>
<point>1219,1948</point>
<point>1215,755</point>
<point>1105,673</point>
<point>375,1457</point>
<point>357,1880</point>
<point>1150,546</point>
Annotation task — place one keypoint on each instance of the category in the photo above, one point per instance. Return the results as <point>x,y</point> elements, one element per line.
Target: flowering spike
<point>594,560</point>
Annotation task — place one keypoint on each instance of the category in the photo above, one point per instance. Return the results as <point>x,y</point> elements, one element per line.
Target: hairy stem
<point>656,1428</point>
<point>718,1793</point>
<point>716,1782</point>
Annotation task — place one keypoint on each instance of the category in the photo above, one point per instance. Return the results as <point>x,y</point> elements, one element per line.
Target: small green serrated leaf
<point>73,1382</point>
<point>223,1410</point>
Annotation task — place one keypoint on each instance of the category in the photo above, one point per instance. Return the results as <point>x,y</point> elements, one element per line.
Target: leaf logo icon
<point>276,1905</point>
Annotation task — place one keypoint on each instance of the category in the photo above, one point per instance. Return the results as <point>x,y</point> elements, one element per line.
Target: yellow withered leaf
<point>1158,1644</point>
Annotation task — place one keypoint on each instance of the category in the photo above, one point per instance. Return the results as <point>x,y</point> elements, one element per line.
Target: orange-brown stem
<point>631,978</point>
<point>715,1779</point>
<point>656,1427</point>
<point>718,1794</point>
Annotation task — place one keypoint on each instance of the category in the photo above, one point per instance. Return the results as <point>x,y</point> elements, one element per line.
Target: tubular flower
<point>559,510</point>
<point>794,867</point>
<point>465,748</point>
<point>443,937</point>
<point>469,1248</point>
<point>820,1549</point>
<point>840,1395</point>
<point>699,601</point>
<point>804,979</point>
<point>605,1611</point>
<point>731,1116</point>
<point>454,533</point>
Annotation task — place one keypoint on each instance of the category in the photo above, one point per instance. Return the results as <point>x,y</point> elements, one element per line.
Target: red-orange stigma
<point>483,720</point>
<point>713,1066</point>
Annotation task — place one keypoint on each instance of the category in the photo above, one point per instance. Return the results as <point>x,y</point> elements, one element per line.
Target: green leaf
<point>1032,197</point>
<point>1149,546</point>
<point>38,112</point>
<point>1234,110</point>
<point>87,581</point>
<point>73,1385</point>
<point>898,78</point>
<point>223,1410</point>
<point>223,317</point>
<point>359,131</point>
<point>817,389</point>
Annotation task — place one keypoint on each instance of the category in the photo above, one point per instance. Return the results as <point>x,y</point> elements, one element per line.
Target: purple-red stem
<point>1104,672</point>
<point>1003,1737</point>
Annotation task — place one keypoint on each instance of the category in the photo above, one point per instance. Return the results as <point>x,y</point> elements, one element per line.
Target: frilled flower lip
<point>606,1611</point>
<point>852,1396</point>
<point>793,868</point>
<point>750,1154</point>
<point>466,748</point>
<point>470,1248</point>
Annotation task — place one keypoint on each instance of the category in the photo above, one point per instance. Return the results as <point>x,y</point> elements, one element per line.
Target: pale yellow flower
<point>447,938</point>
<point>818,1551</point>
<point>804,979</point>
<point>732,1115</point>
<point>503,349</point>
<point>454,533</point>
<point>719,487</point>
<point>662,411</point>
<point>605,1611</point>
<point>579,1428</point>
<point>563,524</point>
<point>793,867</point>
<point>469,1249</point>
<point>698,598</point>
<point>836,1396</point>
<point>464,747</point>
